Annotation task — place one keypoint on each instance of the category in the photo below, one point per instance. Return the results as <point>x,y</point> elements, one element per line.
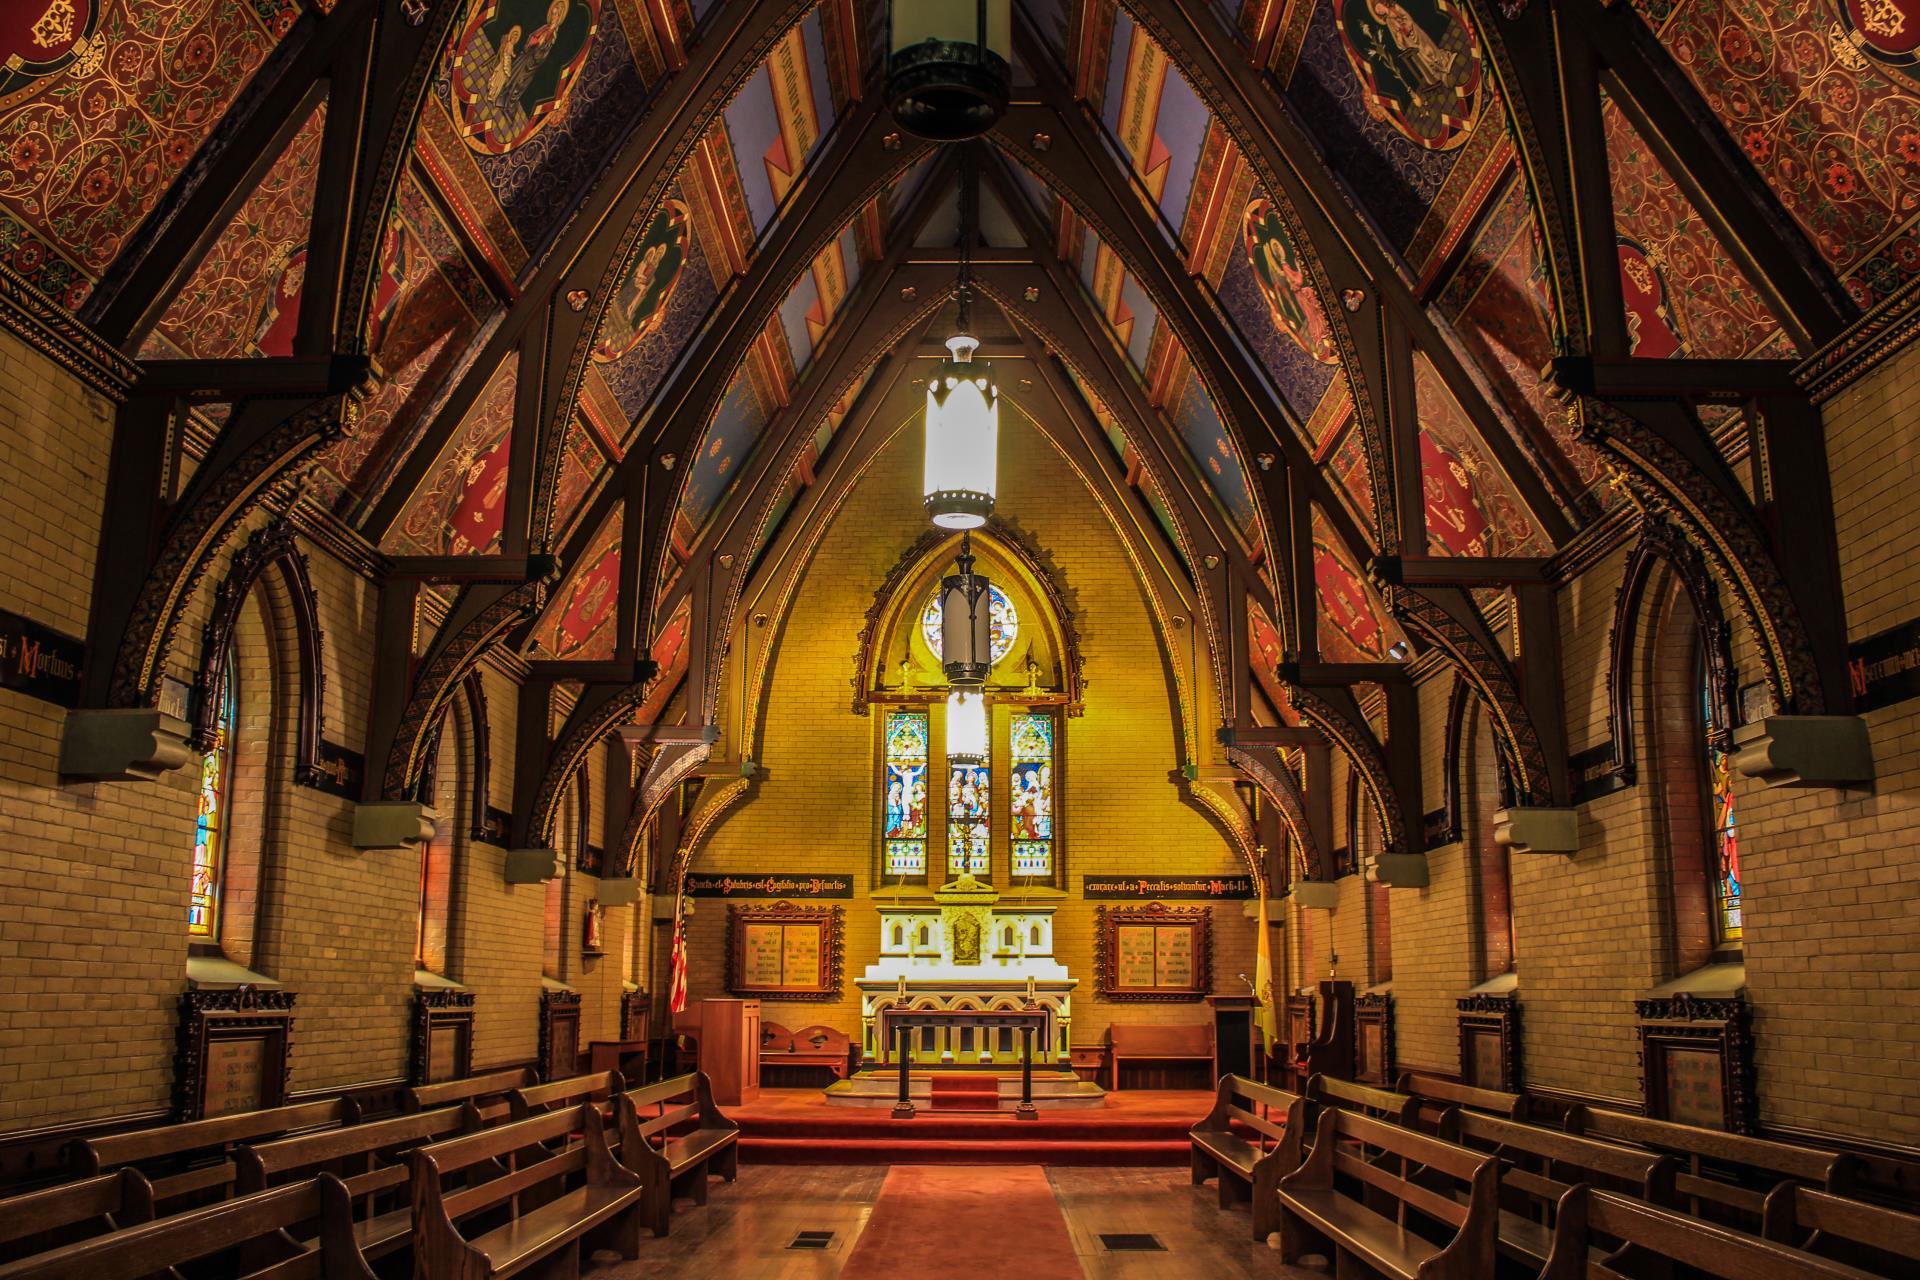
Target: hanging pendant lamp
<point>963,403</point>
<point>949,67</point>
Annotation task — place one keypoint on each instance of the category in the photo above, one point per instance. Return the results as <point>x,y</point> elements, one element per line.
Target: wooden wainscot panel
<point>233,1052</point>
<point>1490,1042</point>
<point>559,1034</point>
<point>442,1040</point>
<point>1696,1061</point>
<point>1155,952</point>
<point>784,952</point>
<point>1298,1025</point>
<point>1373,1039</point>
<point>636,1013</point>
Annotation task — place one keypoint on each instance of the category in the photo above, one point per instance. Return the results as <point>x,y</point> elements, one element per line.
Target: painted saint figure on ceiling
<point>514,63</point>
<point>1283,282</point>
<point>640,305</point>
<point>1419,64</point>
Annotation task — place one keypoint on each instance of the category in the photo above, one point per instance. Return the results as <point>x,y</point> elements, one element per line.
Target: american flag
<point>677,968</point>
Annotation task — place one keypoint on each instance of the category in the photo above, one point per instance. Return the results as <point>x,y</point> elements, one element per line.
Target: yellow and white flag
<point>1268,1017</point>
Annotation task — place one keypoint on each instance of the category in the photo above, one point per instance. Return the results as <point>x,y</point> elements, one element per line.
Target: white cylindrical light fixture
<point>967,726</point>
<point>963,438</point>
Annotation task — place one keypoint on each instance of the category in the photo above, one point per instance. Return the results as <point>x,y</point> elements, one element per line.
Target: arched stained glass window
<point>1726,841</point>
<point>905,820</point>
<point>210,834</point>
<point>1003,624</point>
<point>969,797</point>
<point>1030,793</point>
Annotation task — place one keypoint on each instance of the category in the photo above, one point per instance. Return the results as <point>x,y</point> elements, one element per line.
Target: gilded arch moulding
<point>272,547</point>
<point>1335,715</point>
<point>1271,774</point>
<point>885,613</point>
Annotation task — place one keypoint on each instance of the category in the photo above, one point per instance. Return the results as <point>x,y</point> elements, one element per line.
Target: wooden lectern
<point>730,1049</point>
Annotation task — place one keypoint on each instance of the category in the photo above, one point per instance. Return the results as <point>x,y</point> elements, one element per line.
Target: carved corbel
<point>392,824</point>
<point>597,715</point>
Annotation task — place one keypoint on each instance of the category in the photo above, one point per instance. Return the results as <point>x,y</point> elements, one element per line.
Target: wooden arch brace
<point>599,712</point>
<point>1391,783</point>
<point>1269,772</point>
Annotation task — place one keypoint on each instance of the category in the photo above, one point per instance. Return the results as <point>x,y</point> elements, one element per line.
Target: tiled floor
<point>743,1231</point>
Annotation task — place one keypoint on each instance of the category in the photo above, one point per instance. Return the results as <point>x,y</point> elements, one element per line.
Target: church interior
<point>1068,638</point>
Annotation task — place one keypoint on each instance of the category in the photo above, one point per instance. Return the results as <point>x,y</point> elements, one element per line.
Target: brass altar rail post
<point>903,1109</point>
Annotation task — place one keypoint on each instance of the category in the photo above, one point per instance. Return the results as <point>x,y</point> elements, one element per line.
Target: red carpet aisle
<point>953,1223</point>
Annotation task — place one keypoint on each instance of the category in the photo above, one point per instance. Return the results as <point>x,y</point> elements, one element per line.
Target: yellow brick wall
<point>813,808</point>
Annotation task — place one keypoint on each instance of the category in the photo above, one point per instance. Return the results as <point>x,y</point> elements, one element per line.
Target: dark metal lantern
<point>948,70</point>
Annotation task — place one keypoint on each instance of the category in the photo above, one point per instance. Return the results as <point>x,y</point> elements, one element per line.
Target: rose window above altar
<point>1003,624</point>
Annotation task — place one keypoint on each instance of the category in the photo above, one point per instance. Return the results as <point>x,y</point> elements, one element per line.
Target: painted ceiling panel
<point>779,118</point>
<point>102,110</point>
<point>537,93</point>
<point>1393,90</point>
<point>1155,117</point>
<point>1347,470</point>
<point>1264,290</point>
<point>463,509</point>
<point>1471,506</point>
<point>581,463</point>
<point>244,297</point>
<point>1350,627</point>
<point>580,618</point>
<point>1827,109</point>
<point>1194,413</point>
<point>817,296</point>
<point>428,302</point>
<point>1131,316</point>
<point>1502,312</point>
<point>1685,297</point>
<point>729,442</point>
<point>666,290</point>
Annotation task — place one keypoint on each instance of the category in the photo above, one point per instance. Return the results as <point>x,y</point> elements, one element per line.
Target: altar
<point>960,985</point>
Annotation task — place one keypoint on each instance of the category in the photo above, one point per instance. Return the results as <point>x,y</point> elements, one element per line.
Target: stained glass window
<point>1030,793</point>
<point>905,832</point>
<point>1003,624</point>
<point>1726,842</point>
<point>210,834</point>
<point>968,800</point>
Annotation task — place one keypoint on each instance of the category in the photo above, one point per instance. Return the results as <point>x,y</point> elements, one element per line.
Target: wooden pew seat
<point>1883,1241</point>
<point>252,1228</point>
<point>371,1161</point>
<point>1259,1161</point>
<point>194,1159</point>
<point>607,1205</point>
<point>1436,1095</point>
<point>1179,1043</point>
<point>1317,1213</point>
<point>487,1092</point>
<point>598,1087</point>
<point>1598,1235</point>
<point>815,1046</point>
<point>38,1220</point>
<point>651,1148</point>
<point>1381,1104</point>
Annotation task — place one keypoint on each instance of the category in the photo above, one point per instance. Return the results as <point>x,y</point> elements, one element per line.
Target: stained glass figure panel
<point>210,833</point>
<point>1003,624</point>
<point>1726,836</point>
<point>905,819</point>
<point>1030,800</point>
<point>969,797</point>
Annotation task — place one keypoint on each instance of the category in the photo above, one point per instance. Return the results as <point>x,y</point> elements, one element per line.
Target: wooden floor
<point>744,1231</point>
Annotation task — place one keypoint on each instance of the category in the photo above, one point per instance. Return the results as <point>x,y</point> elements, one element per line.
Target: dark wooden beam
<point>471,568</point>
<point>1458,571</point>
<point>243,377</point>
<point>1344,673</point>
<point>1625,378</point>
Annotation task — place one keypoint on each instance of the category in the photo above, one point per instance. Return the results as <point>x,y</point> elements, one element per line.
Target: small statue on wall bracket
<point>591,942</point>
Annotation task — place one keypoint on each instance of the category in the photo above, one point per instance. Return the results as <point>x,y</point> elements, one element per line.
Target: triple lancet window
<point>996,815</point>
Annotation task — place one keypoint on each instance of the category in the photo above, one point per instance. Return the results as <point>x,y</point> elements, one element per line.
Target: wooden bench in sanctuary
<point>1729,1173</point>
<point>371,1161</point>
<point>39,1220</point>
<point>1600,1235</point>
<point>247,1235</point>
<point>1240,1142</point>
<point>194,1159</point>
<point>1458,1191</point>
<point>1381,1104</point>
<point>651,1148</point>
<point>1435,1095</point>
<point>598,1087</point>
<point>1538,1165</point>
<point>606,1208</point>
<point>487,1091</point>
<point>1161,1044</point>
<point>1883,1241</point>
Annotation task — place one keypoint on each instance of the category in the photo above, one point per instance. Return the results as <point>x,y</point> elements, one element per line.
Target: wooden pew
<point>249,1227</point>
<point>815,1046</point>
<point>1598,1234</point>
<point>1184,1043</point>
<point>40,1220</point>
<point>598,1087</point>
<point>1883,1241</point>
<point>1219,1150</point>
<point>371,1161</point>
<point>1317,1215</point>
<point>1381,1104</point>
<point>487,1092</point>
<point>648,1146</point>
<point>1538,1165</point>
<point>194,1159</point>
<point>1715,1159</point>
<point>1436,1095</point>
<point>606,1207</point>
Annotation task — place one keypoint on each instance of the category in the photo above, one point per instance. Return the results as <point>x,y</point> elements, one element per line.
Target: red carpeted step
<point>877,1124</point>
<point>1128,1154</point>
<point>966,1100</point>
